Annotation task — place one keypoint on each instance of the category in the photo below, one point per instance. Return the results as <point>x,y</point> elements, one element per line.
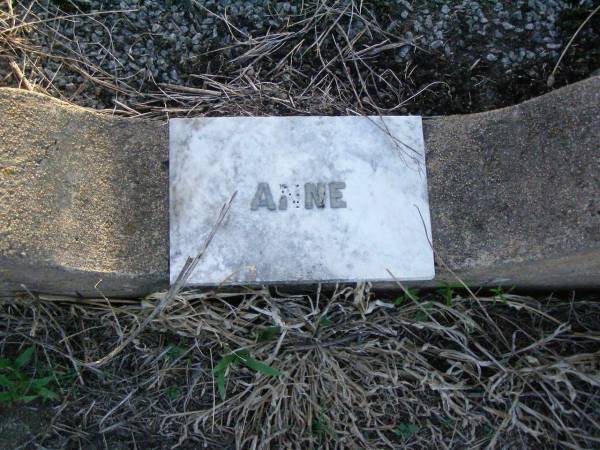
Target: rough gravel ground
<point>444,56</point>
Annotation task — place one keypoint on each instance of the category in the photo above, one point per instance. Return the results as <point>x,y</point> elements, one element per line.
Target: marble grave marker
<point>318,199</point>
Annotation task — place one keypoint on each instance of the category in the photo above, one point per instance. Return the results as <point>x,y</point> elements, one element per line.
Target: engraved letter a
<point>262,198</point>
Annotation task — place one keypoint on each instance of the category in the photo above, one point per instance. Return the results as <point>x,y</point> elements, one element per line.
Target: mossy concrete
<point>514,195</point>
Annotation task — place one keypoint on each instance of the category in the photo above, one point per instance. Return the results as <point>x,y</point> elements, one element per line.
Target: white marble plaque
<point>318,199</point>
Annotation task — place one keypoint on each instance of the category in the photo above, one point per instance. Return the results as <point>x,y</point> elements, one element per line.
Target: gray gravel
<point>167,41</point>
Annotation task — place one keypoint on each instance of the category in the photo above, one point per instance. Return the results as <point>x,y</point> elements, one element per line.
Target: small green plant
<point>422,315</point>
<point>406,430</point>
<point>447,292</point>
<point>174,352</point>
<point>406,297</point>
<point>325,321</point>
<point>267,333</point>
<point>241,356</point>
<point>173,392</point>
<point>500,294</point>
<point>320,427</point>
<point>19,387</point>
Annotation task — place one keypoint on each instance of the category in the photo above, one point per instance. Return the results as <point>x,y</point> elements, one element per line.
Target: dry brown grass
<point>357,371</point>
<point>314,66</point>
<point>485,372</point>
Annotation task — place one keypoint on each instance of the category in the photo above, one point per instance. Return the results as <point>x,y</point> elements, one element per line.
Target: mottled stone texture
<point>384,224</point>
<point>514,195</point>
<point>83,199</point>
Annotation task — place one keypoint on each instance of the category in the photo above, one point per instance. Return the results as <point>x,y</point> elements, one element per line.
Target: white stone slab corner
<point>318,199</point>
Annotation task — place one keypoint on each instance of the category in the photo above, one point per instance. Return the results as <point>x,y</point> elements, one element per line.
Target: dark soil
<point>22,425</point>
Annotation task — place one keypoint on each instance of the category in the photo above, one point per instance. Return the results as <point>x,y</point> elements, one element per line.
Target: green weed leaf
<point>412,294</point>
<point>241,356</point>
<point>261,367</point>
<point>173,392</point>
<point>421,315</point>
<point>5,363</point>
<point>175,351</point>
<point>46,393</point>
<point>267,333</point>
<point>406,430</point>
<point>221,384</point>
<point>7,397</point>
<point>6,382</point>
<point>320,427</point>
<point>224,363</point>
<point>22,387</point>
<point>325,322</point>
<point>41,382</point>
<point>24,358</point>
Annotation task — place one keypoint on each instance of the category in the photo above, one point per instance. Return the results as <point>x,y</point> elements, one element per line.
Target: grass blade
<point>24,358</point>
<point>261,367</point>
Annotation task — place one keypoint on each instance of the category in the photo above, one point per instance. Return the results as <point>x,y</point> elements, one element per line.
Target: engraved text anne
<point>315,196</point>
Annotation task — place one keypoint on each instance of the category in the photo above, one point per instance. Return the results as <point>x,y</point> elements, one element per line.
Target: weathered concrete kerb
<point>515,192</point>
<point>514,195</point>
<point>83,199</point>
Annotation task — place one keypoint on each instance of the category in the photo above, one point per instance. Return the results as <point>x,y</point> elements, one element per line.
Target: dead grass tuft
<point>315,64</point>
<point>357,371</point>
